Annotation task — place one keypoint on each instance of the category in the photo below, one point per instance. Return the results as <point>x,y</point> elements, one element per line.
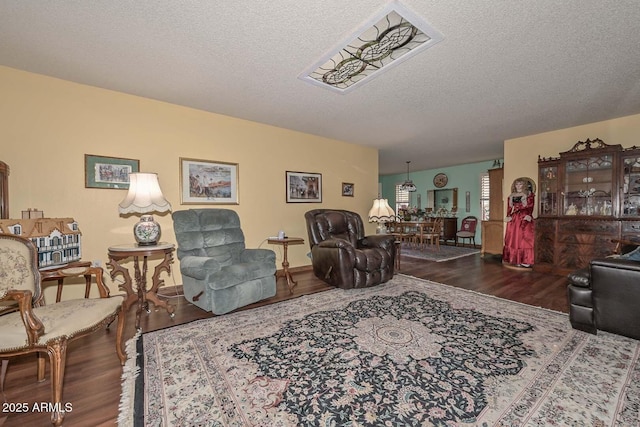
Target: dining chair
<point>403,232</point>
<point>433,233</point>
<point>467,230</point>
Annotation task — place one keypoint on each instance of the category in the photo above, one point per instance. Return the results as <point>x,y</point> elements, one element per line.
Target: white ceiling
<point>505,68</point>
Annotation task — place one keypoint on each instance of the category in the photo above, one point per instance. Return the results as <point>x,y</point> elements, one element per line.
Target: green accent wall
<point>465,177</point>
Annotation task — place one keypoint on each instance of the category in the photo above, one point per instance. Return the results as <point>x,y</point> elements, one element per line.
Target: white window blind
<point>402,198</point>
<point>484,196</point>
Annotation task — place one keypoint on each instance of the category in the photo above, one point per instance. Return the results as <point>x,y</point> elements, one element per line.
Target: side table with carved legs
<point>285,242</point>
<point>141,294</point>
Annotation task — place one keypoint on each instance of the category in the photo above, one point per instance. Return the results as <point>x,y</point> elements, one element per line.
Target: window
<point>484,196</point>
<point>402,198</point>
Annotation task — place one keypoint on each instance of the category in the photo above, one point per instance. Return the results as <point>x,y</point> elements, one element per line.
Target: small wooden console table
<point>285,242</point>
<point>73,269</point>
<point>141,295</point>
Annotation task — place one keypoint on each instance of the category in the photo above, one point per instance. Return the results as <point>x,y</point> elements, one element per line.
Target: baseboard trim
<point>299,269</point>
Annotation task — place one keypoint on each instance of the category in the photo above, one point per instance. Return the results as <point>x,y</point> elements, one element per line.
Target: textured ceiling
<point>504,69</point>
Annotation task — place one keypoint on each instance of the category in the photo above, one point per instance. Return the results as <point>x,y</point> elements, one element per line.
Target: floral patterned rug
<point>407,353</point>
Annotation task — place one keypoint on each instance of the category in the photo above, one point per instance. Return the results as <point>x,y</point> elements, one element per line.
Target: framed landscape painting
<point>205,182</point>
<point>108,172</point>
<point>303,187</point>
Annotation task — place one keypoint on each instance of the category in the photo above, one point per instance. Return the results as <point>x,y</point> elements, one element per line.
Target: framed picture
<point>108,172</point>
<point>205,182</point>
<point>304,187</point>
<point>347,189</point>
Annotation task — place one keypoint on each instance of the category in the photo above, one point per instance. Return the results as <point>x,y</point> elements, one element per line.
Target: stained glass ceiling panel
<point>384,41</point>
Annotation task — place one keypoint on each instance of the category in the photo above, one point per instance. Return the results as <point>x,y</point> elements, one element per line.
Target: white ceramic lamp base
<point>147,231</point>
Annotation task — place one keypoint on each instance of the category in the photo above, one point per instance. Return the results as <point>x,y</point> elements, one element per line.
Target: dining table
<point>419,228</point>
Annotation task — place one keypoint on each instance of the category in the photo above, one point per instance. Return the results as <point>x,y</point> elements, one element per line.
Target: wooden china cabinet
<point>4,190</point>
<point>492,229</point>
<point>587,197</point>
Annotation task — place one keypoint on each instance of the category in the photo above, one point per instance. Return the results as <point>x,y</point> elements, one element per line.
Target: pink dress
<point>519,237</point>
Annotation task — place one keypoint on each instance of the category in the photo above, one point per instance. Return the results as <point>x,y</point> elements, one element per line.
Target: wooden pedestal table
<point>141,295</point>
<point>398,243</point>
<point>285,242</point>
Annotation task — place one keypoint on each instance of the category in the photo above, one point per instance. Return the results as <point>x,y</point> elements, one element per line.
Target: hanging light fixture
<point>408,185</point>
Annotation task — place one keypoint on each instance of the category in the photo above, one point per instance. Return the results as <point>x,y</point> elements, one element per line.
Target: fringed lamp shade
<point>381,212</point>
<point>145,197</point>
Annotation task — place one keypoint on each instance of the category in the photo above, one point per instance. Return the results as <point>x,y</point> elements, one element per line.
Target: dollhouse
<point>58,240</point>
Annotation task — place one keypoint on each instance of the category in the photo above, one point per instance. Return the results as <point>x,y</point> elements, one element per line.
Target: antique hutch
<point>4,190</point>
<point>588,196</point>
<point>493,228</point>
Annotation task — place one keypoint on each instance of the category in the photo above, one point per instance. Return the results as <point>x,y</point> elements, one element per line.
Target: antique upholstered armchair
<point>27,326</point>
<point>342,255</point>
<point>218,273</point>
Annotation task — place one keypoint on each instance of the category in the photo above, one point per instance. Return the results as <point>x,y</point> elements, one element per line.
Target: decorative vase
<point>146,231</point>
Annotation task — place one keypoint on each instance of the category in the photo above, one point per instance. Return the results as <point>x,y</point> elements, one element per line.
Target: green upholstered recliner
<point>218,273</point>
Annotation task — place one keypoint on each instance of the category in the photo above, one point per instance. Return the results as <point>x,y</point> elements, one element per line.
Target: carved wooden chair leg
<point>3,374</point>
<point>58,357</point>
<point>42,362</point>
<point>122,355</point>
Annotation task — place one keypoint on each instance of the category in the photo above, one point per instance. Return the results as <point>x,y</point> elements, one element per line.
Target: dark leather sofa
<point>606,296</point>
<point>342,255</point>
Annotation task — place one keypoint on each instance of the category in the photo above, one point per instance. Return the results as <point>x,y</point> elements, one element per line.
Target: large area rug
<point>431,253</point>
<point>406,353</point>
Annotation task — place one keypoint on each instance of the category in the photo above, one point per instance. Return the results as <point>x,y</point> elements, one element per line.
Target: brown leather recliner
<point>605,296</point>
<point>342,255</point>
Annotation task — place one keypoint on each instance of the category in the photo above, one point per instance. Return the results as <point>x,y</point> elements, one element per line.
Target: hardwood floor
<point>92,381</point>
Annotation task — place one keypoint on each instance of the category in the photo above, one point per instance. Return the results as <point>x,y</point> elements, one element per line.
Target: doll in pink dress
<point>519,237</point>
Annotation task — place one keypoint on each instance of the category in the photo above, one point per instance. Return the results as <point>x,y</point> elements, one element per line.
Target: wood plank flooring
<point>92,381</point>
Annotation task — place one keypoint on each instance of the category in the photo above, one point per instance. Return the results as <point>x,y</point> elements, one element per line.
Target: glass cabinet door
<point>548,190</point>
<point>587,186</point>
<point>631,186</point>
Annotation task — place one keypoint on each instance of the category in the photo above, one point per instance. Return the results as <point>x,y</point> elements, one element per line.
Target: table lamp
<point>145,197</point>
<point>381,212</point>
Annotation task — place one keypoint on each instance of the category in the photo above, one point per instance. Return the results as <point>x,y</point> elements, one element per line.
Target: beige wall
<point>521,154</point>
<point>48,125</point>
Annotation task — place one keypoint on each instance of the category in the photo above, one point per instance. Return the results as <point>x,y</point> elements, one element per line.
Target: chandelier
<point>408,185</point>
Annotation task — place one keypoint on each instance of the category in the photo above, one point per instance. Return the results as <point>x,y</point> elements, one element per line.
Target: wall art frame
<point>347,189</point>
<point>208,182</point>
<point>108,172</point>
<point>303,187</point>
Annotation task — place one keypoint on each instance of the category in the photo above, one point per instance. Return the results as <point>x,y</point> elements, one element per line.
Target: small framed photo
<point>304,187</point>
<point>206,182</point>
<point>108,172</point>
<point>347,189</point>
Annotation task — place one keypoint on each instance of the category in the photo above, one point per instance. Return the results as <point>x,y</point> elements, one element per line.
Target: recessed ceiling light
<point>387,39</point>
